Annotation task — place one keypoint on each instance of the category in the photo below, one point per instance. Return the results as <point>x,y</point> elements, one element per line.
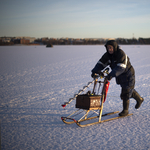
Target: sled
<point>90,105</point>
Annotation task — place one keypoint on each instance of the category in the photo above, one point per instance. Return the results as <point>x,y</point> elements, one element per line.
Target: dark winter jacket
<point>120,65</point>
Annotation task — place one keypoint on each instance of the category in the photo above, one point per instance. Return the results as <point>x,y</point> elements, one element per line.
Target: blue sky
<point>75,18</point>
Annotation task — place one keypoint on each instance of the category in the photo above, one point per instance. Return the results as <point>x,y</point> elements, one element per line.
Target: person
<point>122,70</point>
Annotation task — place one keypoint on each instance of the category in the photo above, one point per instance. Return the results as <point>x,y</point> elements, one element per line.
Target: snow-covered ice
<point>35,81</point>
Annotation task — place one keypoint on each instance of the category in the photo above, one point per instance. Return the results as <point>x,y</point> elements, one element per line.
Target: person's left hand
<point>94,75</point>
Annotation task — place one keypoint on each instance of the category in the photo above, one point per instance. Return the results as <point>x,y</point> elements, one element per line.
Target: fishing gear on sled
<point>85,87</point>
<point>89,106</point>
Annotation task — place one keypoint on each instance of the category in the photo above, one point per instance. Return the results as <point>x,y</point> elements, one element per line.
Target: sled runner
<point>90,105</point>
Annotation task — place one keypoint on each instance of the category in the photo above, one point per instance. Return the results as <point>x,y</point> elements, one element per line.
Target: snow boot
<point>138,98</point>
<point>125,108</point>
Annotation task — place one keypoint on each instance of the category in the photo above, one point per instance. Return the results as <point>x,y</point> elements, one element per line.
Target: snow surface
<point>35,81</point>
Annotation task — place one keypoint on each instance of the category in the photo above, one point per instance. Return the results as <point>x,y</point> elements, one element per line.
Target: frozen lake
<point>35,81</point>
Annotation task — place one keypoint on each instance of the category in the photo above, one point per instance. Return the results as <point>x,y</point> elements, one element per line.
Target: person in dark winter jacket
<point>122,70</point>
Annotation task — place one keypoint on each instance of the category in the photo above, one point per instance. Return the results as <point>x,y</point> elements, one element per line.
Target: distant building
<point>6,40</point>
<point>24,41</point>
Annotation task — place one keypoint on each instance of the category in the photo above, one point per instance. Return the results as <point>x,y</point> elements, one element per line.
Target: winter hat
<point>112,43</point>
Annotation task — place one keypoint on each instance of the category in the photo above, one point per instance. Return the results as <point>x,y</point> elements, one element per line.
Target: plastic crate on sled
<point>88,102</point>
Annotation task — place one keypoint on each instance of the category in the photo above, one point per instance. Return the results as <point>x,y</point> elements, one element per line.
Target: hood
<point>112,43</point>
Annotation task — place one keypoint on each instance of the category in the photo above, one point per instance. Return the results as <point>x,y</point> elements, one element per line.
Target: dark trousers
<point>126,93</point>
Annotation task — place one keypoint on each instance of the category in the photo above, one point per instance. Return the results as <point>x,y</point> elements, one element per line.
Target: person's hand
<point>101,75</point>
<point>108,77</point>
<point>93,75</point>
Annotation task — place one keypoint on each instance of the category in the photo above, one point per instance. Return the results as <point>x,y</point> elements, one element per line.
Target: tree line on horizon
<point>67,41</point>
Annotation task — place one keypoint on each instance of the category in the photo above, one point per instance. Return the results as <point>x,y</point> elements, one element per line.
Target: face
<point>110,49</point>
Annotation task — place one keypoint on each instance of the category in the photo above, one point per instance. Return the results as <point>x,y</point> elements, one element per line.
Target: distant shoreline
<point>68,45</point>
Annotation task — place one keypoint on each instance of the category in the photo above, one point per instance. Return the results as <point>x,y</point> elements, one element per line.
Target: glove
<point>93,75</point>
<point>101,74</point>
<point>108,77</point>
